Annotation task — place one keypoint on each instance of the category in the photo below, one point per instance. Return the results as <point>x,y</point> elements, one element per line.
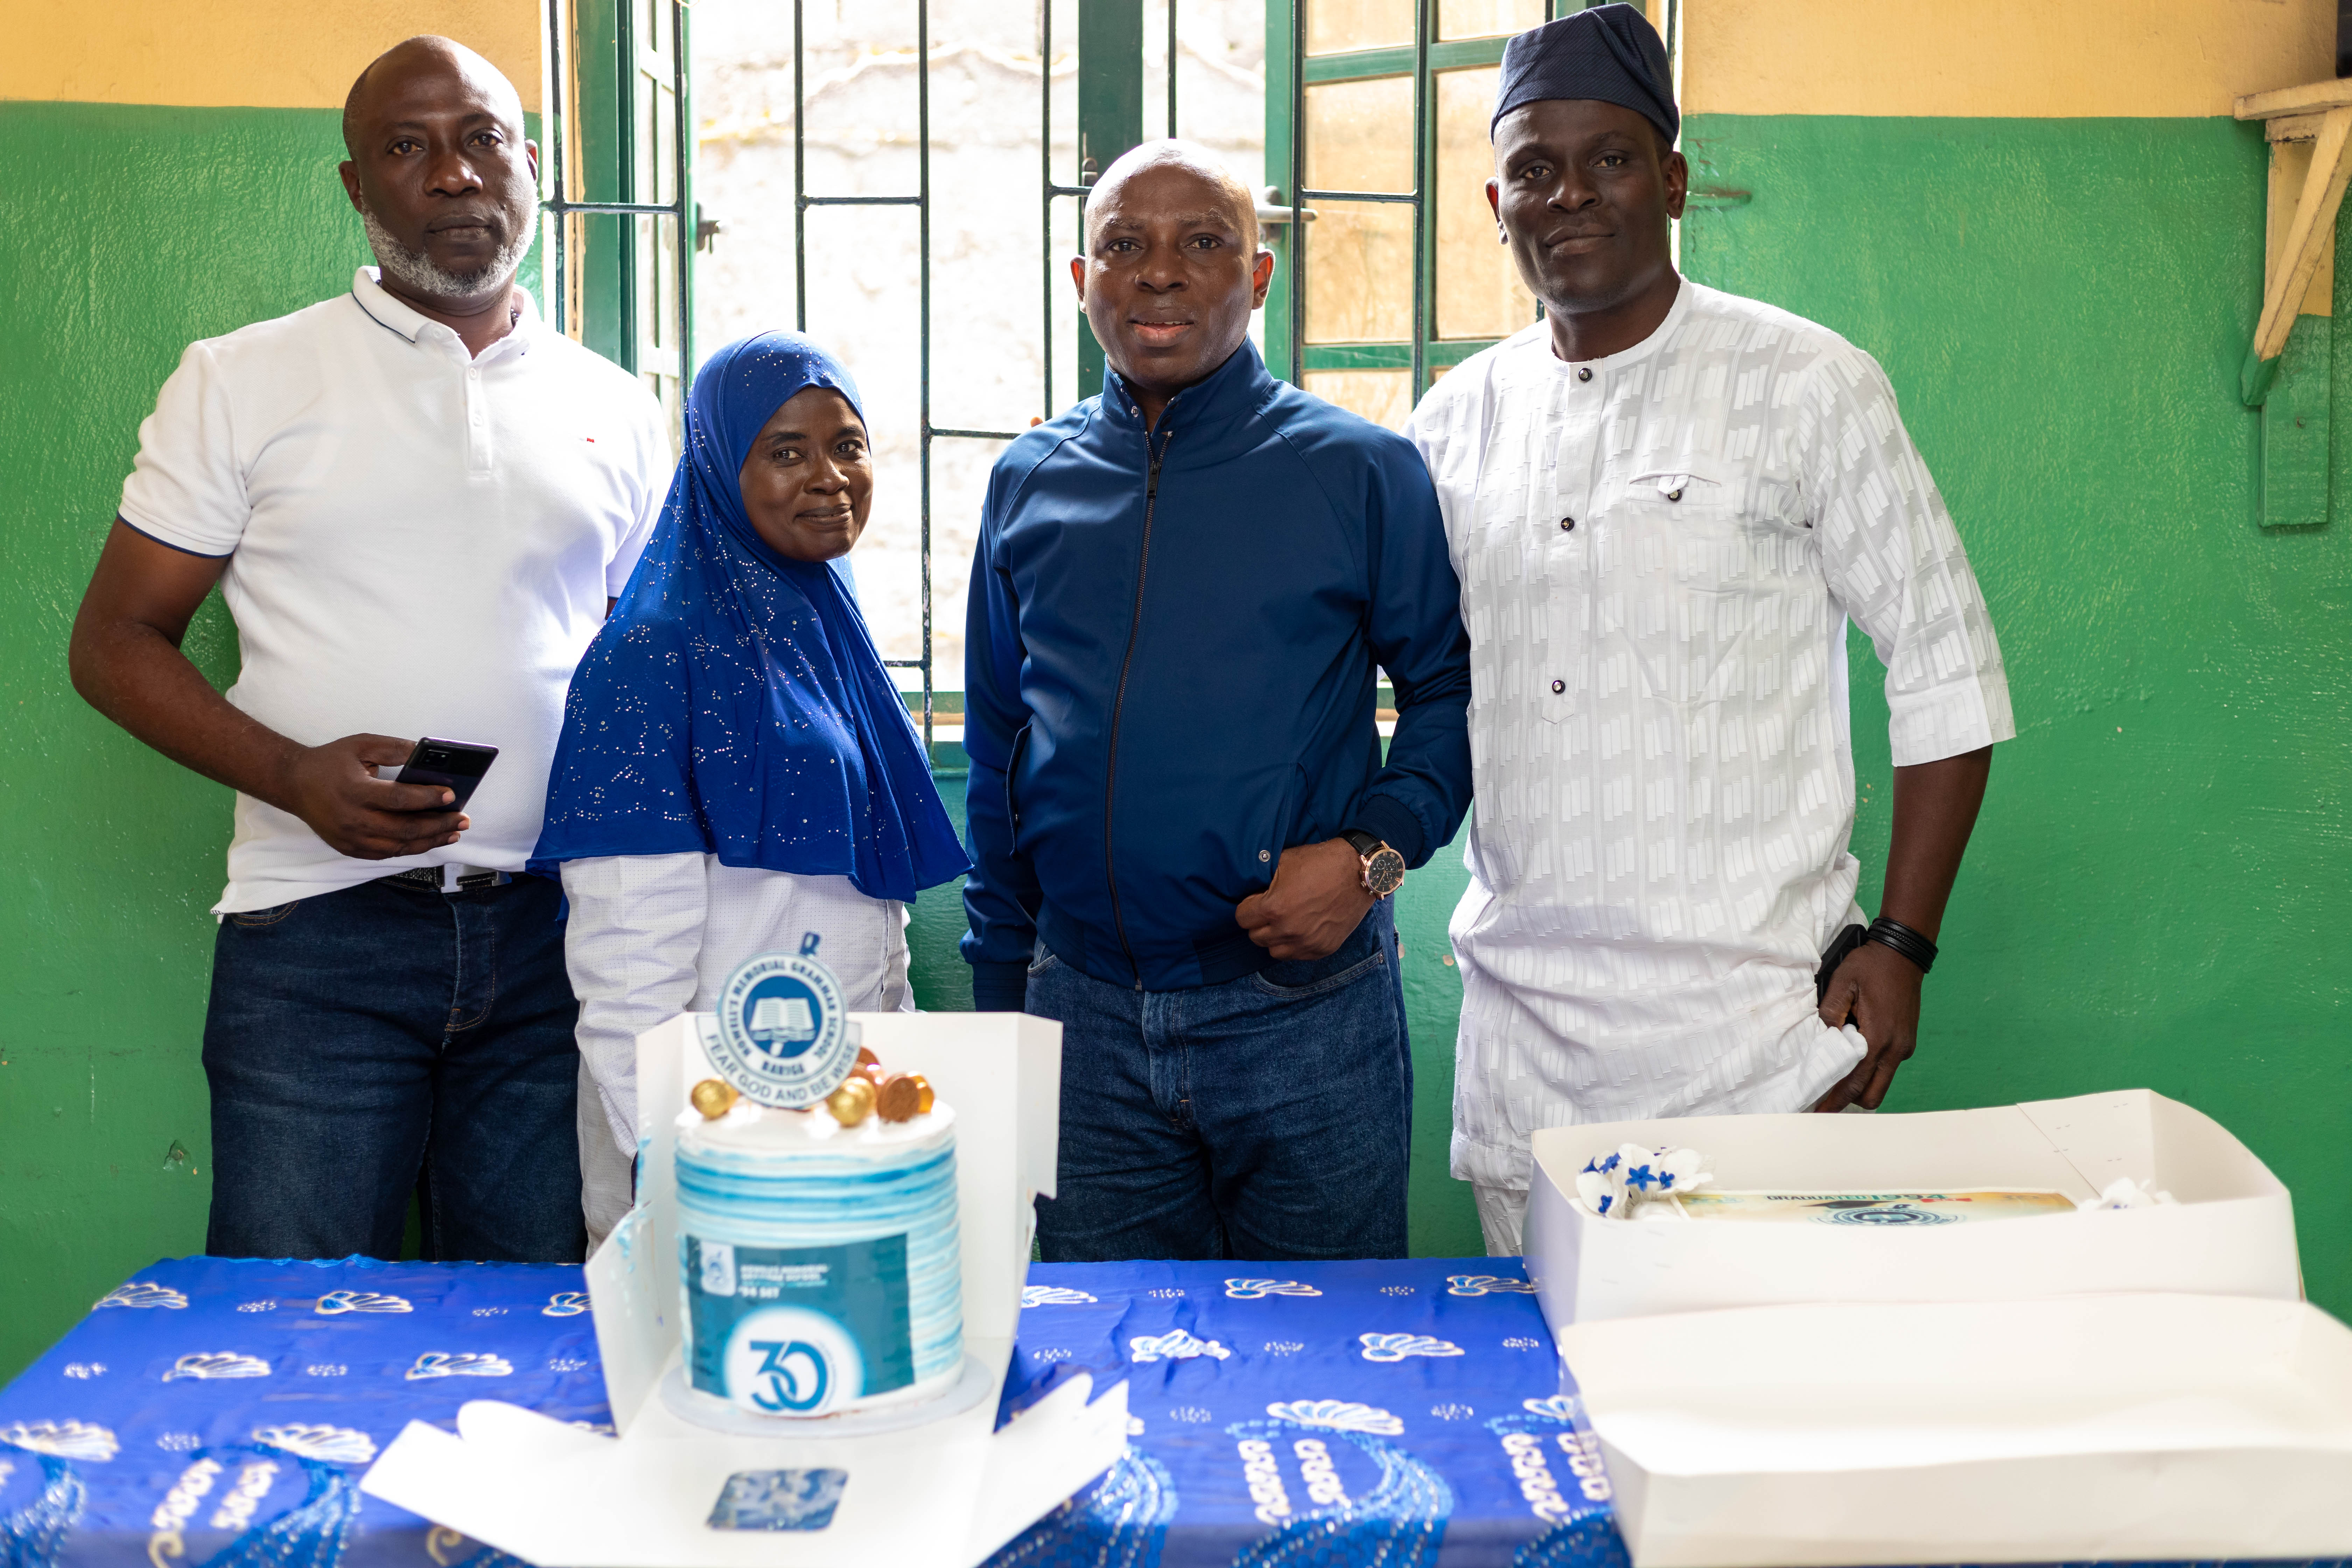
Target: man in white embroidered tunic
<point>1664,503</point>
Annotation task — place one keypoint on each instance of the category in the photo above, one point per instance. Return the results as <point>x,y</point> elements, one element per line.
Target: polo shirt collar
<point>389,312</point>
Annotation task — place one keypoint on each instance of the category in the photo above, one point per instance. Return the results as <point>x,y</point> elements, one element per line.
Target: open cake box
<point>2230,1231</point>
<point>2115,1384</point>
<point>667,1493</point>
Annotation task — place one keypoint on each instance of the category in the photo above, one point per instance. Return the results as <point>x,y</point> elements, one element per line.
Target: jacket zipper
<point>1118,702</point>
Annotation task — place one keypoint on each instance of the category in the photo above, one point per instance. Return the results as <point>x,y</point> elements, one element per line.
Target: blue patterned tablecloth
<point>218,1413</point>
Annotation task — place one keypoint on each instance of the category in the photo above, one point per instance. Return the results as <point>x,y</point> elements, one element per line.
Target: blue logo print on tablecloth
<point>61,1439</point>
<point>1052,1296</point>
<point>1486,1285</point>
<point>1256,1290</point>
<point>335,1445</point>
<point>1176,1345</point>
<point>1120,1522</point>
<point>1557,1462</point>
<point>216,1364</point>
<point>32,1530</point>
<point>1396,1347</point>
<point>139,1293</point>
<point>338,1302</point>
<point>565,1304</point>
<point>1396,1524</point>
<point>1339,1414</point>
<point>473,1364</point>
<point>228,1488</point>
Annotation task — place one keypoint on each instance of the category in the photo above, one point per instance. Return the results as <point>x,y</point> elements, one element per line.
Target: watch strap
<point>1364,842</point>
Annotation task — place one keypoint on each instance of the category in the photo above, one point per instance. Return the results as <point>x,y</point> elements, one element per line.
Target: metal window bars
<point>560,206</point>
<point>921,202</point>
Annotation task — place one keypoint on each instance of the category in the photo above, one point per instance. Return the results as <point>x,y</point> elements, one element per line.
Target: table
<point>219,1413</point>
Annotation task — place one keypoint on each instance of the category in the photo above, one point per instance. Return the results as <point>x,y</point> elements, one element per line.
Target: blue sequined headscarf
<point>734,703</point>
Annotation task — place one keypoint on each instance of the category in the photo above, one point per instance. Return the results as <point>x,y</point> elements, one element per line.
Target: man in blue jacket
<point>1184,831</point>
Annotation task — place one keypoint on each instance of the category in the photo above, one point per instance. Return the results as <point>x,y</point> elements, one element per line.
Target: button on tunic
<point>1658,720</point>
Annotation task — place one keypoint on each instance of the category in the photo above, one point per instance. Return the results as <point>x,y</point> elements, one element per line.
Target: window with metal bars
<point>1376,113</point>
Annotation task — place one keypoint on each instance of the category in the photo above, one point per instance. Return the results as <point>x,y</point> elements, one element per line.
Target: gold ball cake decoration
<point>853,1102</point>
<point>714,1097</point>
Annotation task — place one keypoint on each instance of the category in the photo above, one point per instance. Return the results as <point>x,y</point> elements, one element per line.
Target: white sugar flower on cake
<point>2125,1193</point>
<point>1614,1186</point>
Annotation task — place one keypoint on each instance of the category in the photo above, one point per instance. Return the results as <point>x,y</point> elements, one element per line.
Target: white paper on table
<point>942,1496</point>
<point>2095,1428</point>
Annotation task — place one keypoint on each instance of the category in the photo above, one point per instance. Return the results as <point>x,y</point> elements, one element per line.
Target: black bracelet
<point>1904,940</point>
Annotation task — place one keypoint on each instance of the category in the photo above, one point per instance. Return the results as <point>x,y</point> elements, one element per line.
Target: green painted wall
<point>125,232</point>
<point>2158,890</point>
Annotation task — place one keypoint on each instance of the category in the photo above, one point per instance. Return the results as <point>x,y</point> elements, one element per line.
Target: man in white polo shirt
<point>418,502</point>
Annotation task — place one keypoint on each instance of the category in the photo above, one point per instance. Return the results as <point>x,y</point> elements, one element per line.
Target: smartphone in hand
<point>456,765</point>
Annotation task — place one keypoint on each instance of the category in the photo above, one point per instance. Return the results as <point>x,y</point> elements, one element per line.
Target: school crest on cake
<point>782,1035</point>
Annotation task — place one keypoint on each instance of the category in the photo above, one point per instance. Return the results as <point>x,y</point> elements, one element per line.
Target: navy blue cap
<point>1610,54</point>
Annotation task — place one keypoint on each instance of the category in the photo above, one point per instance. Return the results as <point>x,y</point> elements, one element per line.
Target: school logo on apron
<point>782,1034</point>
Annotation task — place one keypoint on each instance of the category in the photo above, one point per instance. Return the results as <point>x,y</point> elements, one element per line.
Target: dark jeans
<point>362,1039</point>
<point>1266,1117</point>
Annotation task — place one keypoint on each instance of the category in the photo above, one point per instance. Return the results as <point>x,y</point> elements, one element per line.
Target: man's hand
<point>1317,901</point>
<point>1878,989</point>
<point>333,789</point>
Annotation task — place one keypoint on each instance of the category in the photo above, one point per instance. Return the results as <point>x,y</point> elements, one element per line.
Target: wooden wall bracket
<point>2289,366</point>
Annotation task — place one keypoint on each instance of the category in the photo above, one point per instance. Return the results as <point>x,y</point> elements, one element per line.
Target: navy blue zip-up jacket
<point>1169,674</point>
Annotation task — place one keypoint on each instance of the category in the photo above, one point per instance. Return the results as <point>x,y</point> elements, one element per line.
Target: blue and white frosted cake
<point>820,1263</point>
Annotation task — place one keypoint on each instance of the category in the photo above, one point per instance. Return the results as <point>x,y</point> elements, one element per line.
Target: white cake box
<point>943,1493</point>
<point>2116,1428</point>
<point>2230,1232</point>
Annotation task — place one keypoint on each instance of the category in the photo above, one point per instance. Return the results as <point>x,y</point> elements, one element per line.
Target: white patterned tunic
<point>1658,552</point>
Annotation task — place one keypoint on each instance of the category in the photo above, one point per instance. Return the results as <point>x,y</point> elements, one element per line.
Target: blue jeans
<point>1266,1117</point>
<point>383,1040</point>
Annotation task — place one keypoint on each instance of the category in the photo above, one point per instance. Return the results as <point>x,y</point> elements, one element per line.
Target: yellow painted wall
<point>2043,58</point>
<point>261,54</point>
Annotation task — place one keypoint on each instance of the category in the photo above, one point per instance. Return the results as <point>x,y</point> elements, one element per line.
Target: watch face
<point>1383,871</point>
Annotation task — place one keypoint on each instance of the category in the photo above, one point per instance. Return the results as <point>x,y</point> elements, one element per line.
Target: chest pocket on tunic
<point>1678,584</point>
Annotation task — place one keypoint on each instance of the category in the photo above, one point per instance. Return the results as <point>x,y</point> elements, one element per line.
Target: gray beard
<point>420,272</point>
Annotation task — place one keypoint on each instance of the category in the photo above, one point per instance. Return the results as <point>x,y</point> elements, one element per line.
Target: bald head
<point>1218,186</point>
<point>425,55</point>
<point>442,176</point>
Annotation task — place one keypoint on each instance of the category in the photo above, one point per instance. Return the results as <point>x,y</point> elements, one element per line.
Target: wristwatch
<point>1383,867</point>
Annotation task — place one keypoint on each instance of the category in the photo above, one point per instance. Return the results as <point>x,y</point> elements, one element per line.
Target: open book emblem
<point>782,1020</point>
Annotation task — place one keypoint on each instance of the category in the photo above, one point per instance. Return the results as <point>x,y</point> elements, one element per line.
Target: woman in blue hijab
<point>737,768</point>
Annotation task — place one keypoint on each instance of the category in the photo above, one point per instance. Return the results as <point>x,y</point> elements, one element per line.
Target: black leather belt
<point>435,879</point>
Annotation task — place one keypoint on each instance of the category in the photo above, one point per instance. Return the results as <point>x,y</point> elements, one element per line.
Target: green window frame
<point>619,255</point>
<point>1291,69</point>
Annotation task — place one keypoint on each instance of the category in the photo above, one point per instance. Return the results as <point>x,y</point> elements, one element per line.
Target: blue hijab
<point>733,703</point>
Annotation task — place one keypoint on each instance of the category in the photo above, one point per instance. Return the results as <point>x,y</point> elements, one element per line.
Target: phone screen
<point>455,765</point>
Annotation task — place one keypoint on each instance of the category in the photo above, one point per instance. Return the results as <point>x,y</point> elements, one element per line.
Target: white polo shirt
<point>419,542</point>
